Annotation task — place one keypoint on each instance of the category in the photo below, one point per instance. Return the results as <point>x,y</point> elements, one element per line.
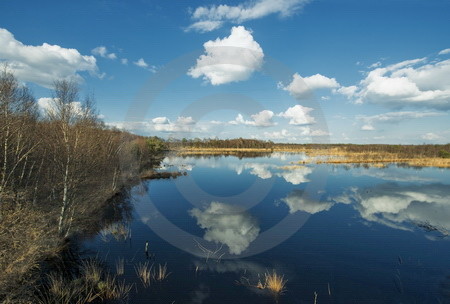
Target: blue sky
<point>341,71</point>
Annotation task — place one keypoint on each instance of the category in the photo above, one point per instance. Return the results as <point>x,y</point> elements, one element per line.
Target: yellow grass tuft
<point>144,272</point>
<point>275,283</point>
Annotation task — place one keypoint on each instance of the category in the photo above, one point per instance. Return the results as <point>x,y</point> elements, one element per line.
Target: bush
<point>444,154</point>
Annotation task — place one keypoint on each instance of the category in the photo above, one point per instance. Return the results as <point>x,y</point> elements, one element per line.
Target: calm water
<point>349,234</point>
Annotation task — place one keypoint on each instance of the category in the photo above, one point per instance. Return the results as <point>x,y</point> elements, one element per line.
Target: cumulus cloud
<point>392,117</point>
<point>302,87</point>
<point>227,224</point>
<point>417,82</point>
<point>298,200</point>
<point>261,119</point>
<point>182,124</point>
<point>124,61</point>
<point>231,59</point>
<point>45,63</point>
<point>212,17</point>
<point>298,115</point>
<point>103,52</point>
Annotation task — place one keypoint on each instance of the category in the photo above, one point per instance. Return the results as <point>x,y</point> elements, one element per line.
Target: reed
<point>161,273</point>
<point>120,266</point>
<point>144,272</point>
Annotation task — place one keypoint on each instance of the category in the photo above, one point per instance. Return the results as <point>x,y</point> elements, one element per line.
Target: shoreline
<point>333,155</point>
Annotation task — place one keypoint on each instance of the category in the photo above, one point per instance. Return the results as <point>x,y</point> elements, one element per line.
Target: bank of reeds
<point>372,155</point>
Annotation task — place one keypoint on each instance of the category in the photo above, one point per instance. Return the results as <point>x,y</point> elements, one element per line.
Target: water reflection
<point>397,205</point>
<point>299,200</point>
<point>227,224</point>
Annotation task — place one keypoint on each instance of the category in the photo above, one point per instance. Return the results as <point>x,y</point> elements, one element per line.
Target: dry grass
<point>26,237</point>
<point>275,283</point>
<point>144,272</point>
<point>62,291</point>
<point>92,271</point>
<point>111,289</point>
<point>373,159</point>
<point>332,155</point>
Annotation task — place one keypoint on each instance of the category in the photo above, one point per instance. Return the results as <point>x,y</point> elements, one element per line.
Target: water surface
<point>348,233</point>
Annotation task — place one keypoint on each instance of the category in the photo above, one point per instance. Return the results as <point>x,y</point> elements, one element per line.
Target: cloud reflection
<point>298,200</point>
<point>227,224</point>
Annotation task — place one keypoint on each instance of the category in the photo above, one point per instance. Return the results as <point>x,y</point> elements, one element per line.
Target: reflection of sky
<point>263,168</point>
<point>227,224</point>
<point>398,205</point>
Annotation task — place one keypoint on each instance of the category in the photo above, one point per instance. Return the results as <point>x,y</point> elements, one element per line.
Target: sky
<point>302,71</point>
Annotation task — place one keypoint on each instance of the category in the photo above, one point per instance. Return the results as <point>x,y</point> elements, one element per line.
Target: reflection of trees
<point>111,220</point>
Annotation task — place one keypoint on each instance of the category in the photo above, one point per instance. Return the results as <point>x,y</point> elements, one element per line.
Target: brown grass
<point>334,155</point>
<point>26,237</point>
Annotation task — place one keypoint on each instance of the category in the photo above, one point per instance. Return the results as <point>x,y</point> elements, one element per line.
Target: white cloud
<point>141,63</point>
<point>218,14</point>
<point>261,119</point>
<point>298,115</point>
<point>408,83</point>
<point>124,61</point>
<point>103,52</point>
<point>47,105</point>
<point>278,134</point>
<point>159,124</point>
<point>298,200</point>
<point>204,26</point>
<point>444,52</point>
<point>393,117</point>
<point>302,87</point>
<point>347,91</point>
<point>227,224</point>
<point>231,59</point>
<point>160,120</point>
<point>375,65</point>
<point>367,128</point>
<point>182,124</point>
<point>430,136</point>
<point>45,63</point>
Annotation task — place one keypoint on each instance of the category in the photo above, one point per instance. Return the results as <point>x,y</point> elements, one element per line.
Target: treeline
<point>238,143</point>
<point>56,169</point>
<point>406,151</point>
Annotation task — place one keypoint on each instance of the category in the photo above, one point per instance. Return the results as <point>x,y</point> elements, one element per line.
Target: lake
<point>337,233</point>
